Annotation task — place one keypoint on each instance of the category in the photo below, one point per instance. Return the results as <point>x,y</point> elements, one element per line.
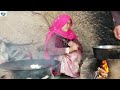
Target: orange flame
<point>105,66</point>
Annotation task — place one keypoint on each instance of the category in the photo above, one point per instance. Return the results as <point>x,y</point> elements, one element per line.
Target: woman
<point>62,44</point>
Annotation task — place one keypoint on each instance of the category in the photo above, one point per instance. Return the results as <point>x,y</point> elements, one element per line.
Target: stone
<point>21,27</point>
<point>114,68</point>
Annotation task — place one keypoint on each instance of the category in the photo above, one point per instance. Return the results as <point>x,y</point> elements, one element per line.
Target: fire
<point>105,66</point>
<point>103,70</point>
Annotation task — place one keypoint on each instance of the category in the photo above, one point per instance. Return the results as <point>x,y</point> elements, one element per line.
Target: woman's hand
<point>73,46</point>
<point>117,32</point>
<point>71,43</point>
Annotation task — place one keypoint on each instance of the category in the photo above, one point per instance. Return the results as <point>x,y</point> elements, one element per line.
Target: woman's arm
<point>52,49</point>
<point>116,21</point>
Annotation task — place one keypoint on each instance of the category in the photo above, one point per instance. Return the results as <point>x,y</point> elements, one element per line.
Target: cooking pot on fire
<point>106,52</point>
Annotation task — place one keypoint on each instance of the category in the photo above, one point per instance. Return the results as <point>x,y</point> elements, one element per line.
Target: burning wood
<point>105,66</point>
<point>102,71</point>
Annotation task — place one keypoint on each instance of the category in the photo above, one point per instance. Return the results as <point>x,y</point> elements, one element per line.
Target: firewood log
<point>102,70</point>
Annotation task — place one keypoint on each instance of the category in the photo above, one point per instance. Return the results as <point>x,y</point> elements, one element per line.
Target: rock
<point>23,27</point>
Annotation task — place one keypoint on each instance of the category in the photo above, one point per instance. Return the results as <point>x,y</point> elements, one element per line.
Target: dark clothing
<point>116,17</point>
<point>57,45</point>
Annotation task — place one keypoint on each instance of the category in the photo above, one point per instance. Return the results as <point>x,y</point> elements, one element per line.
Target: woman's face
<point>67,26</point>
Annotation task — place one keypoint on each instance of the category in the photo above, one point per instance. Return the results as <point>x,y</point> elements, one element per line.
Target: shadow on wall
<point>105,29</point>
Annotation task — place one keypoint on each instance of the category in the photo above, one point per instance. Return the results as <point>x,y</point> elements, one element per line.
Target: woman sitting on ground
<point>62,45</point>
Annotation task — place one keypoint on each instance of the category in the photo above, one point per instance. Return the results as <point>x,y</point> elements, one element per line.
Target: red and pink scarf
<point>56,26</point>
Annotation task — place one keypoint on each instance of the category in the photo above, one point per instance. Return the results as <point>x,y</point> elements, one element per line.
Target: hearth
<point>107,69</point>
<point>108,61</point>
<point>102,70</point>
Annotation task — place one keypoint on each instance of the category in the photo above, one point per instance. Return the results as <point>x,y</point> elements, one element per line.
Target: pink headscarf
<point>56,26</point>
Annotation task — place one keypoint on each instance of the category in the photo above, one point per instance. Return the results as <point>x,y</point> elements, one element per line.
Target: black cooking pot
<point>35,69</point>
<point>33,64</point>
<point>106,52</point>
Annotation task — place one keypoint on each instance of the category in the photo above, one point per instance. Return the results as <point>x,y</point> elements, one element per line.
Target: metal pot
<point>34,64</point>
<point>35,68</point>
<point>106,52</point>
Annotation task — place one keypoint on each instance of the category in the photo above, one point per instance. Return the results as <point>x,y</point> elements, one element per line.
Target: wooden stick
<point>101,70</point>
